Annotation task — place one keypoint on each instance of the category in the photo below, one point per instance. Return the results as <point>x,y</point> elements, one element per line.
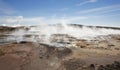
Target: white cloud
<point>100,9</point>
<point>9,20</point>
<point>86,2</point>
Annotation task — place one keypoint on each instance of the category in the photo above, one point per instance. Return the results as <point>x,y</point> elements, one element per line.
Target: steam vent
<point>59,47</point>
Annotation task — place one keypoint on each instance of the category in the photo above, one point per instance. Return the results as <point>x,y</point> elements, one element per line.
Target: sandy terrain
<point>100,53</point>
<point>84,56</point>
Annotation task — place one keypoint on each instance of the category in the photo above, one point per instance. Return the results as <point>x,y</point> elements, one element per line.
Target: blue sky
<point>35,12</point>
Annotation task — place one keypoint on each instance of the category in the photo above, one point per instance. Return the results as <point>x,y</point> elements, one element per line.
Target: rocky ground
<point>100,53</point>
<point>81,55</point>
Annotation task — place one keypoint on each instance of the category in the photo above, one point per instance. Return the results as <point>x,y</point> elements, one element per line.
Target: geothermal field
<point>59,47</point>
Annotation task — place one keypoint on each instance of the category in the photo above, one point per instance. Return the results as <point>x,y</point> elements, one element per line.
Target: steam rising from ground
<point>43,33</point>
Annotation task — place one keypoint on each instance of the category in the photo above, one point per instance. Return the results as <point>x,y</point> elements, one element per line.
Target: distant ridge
<point>107,27</point>
<point>75,25</point>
